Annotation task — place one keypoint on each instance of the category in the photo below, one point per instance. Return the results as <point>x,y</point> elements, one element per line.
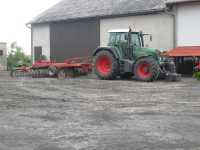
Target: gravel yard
<point>90,114</point>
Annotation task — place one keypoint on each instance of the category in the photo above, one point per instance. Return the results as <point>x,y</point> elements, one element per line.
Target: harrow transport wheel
<point>61,74</point>
<point>106,66</point>
<point>52,71</point>
<point>146,69</point>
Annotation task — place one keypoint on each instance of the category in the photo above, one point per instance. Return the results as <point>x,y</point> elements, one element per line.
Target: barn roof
<point>79,9</point>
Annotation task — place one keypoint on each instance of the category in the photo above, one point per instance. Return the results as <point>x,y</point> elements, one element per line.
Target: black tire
<point>153,69</point>
<point>113,67</point>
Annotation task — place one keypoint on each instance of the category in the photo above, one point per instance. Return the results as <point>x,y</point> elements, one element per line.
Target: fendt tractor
<point>125,57</point>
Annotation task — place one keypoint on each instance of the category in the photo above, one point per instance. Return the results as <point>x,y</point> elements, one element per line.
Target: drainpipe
<point>30,27</point>
<point>172,12</point>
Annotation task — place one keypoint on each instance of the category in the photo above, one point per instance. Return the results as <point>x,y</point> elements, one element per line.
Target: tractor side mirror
<point>151,38</point>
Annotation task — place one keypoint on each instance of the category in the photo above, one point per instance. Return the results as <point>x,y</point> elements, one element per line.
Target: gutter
<point>29,27</point>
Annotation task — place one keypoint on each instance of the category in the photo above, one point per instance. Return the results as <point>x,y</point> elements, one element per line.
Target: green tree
<point>17,57</point>
<point>197,75</point>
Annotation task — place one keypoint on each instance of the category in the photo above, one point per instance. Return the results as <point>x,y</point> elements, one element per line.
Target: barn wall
<point>159,25</point>
<point>74,39</point>
<point>41,38</point>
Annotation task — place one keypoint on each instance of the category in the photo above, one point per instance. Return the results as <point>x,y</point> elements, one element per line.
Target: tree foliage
<point>197,75</point>
<point>17,57</point>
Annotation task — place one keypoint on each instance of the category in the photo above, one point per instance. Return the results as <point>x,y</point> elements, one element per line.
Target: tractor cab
<point>121,36</point>
<point>129,44</point>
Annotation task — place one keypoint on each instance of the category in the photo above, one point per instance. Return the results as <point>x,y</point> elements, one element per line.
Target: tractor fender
<point>109,49</point>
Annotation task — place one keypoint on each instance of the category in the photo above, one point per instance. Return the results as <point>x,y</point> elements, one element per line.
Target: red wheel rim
<point>104,65</point>
<point>144,70</point>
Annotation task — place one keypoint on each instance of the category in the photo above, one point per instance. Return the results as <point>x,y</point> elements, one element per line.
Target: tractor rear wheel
<point>106,66</point>
<point>146,69</point>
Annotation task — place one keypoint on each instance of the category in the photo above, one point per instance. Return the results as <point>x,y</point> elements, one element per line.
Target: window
<point>123,37</point>
<point>135,39</point>
<point>1,52</point>
<point>118,36</point>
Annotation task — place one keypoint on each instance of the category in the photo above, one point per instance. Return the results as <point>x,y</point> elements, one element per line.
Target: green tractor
<point>126,57</point>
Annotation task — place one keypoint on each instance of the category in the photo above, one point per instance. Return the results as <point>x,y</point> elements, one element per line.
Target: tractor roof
<point>121,30</point>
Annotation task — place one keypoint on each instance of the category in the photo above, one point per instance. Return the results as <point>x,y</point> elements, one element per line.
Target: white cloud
<point>14,14</point>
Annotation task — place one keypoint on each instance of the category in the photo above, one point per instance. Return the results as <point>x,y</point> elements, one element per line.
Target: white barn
<point>76,28</point>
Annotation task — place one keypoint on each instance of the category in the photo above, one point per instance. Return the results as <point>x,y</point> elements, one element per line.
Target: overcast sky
<point>14,14</point>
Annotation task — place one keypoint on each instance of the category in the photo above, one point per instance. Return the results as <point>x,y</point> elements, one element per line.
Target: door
<point>74,39</point>
<point>37,52</point>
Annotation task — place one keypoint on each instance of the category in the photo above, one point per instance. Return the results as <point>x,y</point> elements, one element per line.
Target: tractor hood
<point>150,50</point>
<point>147,52</point>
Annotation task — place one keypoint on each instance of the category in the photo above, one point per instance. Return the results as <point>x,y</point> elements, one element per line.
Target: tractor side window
<point>112,38</point>
<point>135,39</point>
<point>124,42</point>
<point>123,38</point>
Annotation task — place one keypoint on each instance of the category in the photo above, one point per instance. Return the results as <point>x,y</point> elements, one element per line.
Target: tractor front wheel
<point>146,69</point>
<point>106,66</point>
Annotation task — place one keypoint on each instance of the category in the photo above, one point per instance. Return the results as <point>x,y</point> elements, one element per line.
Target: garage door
<point>74,39</point>
<point>188,25</point>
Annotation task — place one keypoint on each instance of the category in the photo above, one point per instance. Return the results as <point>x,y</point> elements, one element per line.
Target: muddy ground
<point>89,114</point>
